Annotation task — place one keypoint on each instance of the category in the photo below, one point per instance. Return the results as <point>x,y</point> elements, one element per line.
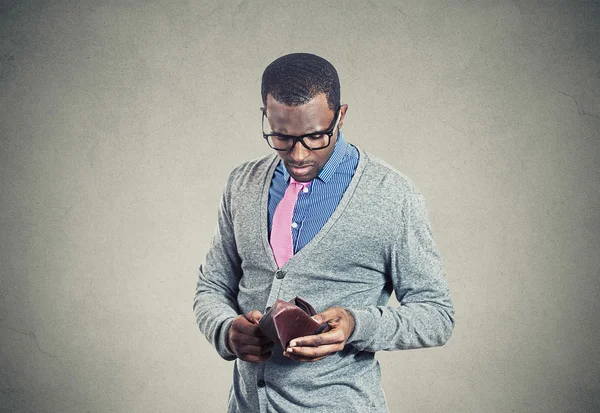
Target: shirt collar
<point>332,163</point>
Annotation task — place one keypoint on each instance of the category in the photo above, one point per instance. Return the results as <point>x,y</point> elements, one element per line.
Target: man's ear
<point>343,110</point>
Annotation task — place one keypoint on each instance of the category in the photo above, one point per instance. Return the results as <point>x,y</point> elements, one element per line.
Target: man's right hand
<point>247,341</point>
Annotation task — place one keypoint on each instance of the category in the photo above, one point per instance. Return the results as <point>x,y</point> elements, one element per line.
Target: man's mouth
<point>299,169</point>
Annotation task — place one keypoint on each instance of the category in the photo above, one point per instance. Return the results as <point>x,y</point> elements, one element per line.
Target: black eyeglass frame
<point>329,132</point>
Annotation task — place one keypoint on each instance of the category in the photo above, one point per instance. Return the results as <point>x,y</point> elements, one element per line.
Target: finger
<point>328,315</point>
<point>248,349</point>
<point>303,359</point>
<point>241,338</point>
<point>330,337</point>
<point>252,358</point>
<point>266,348</point>
<point>311,353</point>
<point>246,327</point>
<point>315,351</point>
<point>253,316</point>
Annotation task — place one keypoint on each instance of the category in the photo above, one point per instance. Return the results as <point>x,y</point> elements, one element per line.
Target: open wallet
<point>285,321</point>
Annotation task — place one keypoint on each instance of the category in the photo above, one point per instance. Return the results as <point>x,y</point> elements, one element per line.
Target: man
<point>326,221</point>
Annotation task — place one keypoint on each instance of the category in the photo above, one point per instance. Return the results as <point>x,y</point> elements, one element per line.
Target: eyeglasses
<point>311,141</point>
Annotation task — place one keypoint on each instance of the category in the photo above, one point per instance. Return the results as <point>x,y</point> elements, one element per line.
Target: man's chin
<point>302,174</point>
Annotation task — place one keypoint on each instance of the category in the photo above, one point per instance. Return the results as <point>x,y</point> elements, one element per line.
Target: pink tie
<point>281,232</point>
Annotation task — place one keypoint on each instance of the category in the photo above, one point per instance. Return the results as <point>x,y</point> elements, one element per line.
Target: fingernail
<point>292,344</point>
<point>290,350</point>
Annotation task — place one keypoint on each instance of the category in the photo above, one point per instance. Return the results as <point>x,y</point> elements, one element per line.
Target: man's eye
<point>281,138</point>
<point>315,137</point>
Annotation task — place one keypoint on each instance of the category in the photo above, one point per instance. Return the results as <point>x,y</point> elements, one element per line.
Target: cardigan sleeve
<point>425,316</point>
<point>215,304</point>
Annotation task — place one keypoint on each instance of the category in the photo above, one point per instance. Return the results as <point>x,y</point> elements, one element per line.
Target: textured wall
<point>120,121</point>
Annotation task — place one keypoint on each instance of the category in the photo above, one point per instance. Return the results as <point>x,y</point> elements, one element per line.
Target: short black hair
<point>296,78</point>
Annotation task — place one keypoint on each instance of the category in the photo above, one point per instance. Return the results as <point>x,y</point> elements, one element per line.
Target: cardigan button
<point>261,383</point>
<point>279,274</point>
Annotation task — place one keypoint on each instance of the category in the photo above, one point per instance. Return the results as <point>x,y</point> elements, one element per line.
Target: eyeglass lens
<point>286,143</point>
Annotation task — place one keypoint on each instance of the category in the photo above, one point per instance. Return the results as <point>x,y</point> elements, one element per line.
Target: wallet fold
<point>285,321</point>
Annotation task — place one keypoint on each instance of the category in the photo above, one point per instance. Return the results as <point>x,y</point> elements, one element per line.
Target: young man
<point>326,221</point>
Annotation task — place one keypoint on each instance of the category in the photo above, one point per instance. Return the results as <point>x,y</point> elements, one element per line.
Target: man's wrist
<point>229,354</point>
<point>351,322</point>
<point>364,328</point>
<point>228,344</point>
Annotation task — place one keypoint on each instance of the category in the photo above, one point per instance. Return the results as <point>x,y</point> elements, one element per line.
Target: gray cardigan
<point>377,240</point>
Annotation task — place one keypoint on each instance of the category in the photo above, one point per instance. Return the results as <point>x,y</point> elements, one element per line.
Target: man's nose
<point>299,153</point>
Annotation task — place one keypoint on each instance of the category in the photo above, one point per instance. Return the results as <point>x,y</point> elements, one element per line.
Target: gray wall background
<point>120,121</point>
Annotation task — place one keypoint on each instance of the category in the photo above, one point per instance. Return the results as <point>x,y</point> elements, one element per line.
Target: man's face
<point>303,164</point>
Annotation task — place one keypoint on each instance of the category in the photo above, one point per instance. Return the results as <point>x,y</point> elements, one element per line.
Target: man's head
<point>296,78</point>
<point>301,95</point>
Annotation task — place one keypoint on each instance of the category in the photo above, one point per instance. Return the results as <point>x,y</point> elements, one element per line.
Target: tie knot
<point>299,185</point>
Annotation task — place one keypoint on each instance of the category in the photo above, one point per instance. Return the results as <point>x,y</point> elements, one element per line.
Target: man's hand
<point>340,325</point>
<point>247,341</point>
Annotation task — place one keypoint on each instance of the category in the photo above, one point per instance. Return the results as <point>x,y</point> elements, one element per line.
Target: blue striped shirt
<point>313,208</point>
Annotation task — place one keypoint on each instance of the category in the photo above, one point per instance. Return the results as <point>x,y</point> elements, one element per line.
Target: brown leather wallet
<point>286,321</point>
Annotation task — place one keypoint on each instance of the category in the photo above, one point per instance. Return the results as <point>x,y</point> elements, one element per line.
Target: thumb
<point>317,318</point>
<point>328,315</point>
<point>254,316</point>
<point>321,318</point>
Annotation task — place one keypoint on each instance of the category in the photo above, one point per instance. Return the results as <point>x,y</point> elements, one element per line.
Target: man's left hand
<point>340,325</point>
